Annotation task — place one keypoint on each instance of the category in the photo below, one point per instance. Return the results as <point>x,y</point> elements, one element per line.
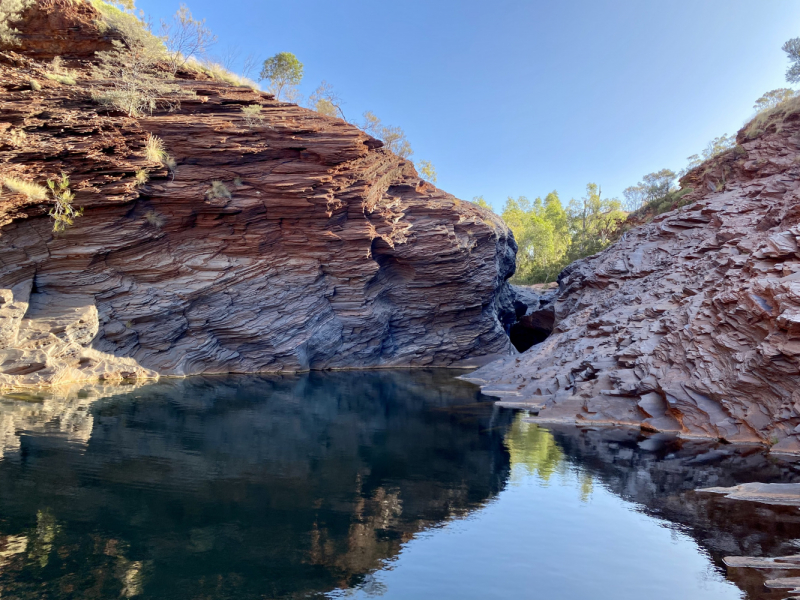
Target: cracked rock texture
<point>690,323</point>
<point>330,252</point>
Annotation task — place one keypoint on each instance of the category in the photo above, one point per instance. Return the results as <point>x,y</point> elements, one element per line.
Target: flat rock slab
<point>782,494</point>
<point>760,562</point>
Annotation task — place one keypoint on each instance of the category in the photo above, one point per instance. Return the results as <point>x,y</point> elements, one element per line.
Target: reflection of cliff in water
<point>660,473</point>
<point>244,487</point>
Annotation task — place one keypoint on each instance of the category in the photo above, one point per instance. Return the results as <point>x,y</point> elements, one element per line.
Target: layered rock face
<point>330,252</point>
<point>690,323</point>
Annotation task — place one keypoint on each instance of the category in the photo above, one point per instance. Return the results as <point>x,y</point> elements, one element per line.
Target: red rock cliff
<point>690,323</point>
<point>331,252</point>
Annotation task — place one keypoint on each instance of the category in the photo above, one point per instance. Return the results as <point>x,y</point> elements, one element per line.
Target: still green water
<point>392,484</point>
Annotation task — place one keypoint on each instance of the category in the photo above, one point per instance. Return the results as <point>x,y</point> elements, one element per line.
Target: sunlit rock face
<point>218,487</point>
<point>325,250</point>
<point>688,323</point>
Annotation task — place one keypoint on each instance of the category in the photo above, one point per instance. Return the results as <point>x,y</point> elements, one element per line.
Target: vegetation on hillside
<point>551,236</point>
<point>10,11</point>
<point>284,73</point>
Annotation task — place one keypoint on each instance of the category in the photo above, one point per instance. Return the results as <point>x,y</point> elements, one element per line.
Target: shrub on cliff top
<point>284,73</point>
<point>773,116</point>
<point>185,37</point>
<point>427,171</point>
<point>219,73</point>
<point>394,138</point>
<point>135,82</point>
<point>10,11</point>
<point>326,102</point>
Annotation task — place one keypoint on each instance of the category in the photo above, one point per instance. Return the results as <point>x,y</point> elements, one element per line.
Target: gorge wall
<point>330,252</point>
<point>690,323</point>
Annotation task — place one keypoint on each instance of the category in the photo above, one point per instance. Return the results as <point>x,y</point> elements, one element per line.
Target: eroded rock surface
<point>330,252</point>
<point>690,323</point>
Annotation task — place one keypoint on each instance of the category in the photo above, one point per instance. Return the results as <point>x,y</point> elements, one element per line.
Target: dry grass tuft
<point>220,73</point>
<point>771,118</point>
<point>154,219</point>
<point>219,190</point>
<point>154,148</point>
<point>33,191</point>
<point>64,79</point>
<point>17,137</point>
<point>141,177</point>
<point>154,151</point>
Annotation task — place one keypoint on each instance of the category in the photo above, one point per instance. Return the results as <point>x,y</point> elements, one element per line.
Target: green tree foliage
<point>481,201</point>
<point>652,187</point>
<point>550,236</point>
<point>284,73</point>
<point>394,138</point>
<point>792,49</point>
<point>427,171</point>
<point>10,11</point>
<point>773,98</point>
<point>541,229</point>
<point>593,222</point>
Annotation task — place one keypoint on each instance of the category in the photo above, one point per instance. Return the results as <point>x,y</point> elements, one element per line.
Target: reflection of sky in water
<point>552,533</point>
<point>387,483</point>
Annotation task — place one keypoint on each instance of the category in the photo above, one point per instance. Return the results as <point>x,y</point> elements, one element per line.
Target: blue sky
<point>515,97</point>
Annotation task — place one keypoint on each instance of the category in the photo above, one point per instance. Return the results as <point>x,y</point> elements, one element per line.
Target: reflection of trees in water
<point>533,451</point>
<point>245,487</point>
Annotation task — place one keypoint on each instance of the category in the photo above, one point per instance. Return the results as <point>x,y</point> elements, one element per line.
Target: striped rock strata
<point>690,323</point>
<point>330,253</point>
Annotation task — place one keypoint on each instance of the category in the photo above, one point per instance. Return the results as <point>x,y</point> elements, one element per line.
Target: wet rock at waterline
<point>690,323</point>
<point>323,251</point>
<point>782,494</point>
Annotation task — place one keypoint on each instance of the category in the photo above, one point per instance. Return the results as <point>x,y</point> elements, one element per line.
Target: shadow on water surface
<point>292,486</point>
<point>240,487</point>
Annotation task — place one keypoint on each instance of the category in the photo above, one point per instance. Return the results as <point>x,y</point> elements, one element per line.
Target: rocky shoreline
<point>687,324</point>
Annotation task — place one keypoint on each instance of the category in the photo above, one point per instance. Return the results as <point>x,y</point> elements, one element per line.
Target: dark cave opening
<point>525,337</point>
<point>535,320</point>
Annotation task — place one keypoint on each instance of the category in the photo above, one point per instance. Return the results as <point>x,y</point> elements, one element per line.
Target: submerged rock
<point>326,252</point>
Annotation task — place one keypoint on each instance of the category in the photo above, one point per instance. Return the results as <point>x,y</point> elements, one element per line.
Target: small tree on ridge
<point>283,71</point>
